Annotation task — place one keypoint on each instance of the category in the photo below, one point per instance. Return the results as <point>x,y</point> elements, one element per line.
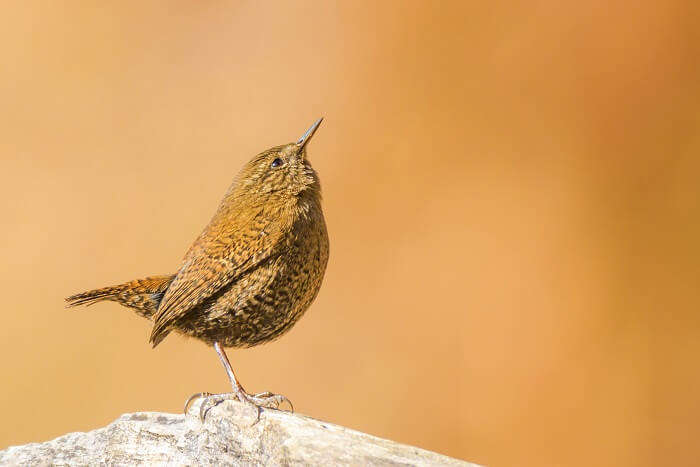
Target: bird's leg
<point>263,399</point>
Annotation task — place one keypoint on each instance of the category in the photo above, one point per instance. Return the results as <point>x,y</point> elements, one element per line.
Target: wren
<point>252,272</point>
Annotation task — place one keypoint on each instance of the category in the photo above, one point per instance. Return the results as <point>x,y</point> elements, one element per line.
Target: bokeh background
<point>511,190</point>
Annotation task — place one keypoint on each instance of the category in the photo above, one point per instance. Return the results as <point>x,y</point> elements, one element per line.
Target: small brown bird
<point>250,275</point>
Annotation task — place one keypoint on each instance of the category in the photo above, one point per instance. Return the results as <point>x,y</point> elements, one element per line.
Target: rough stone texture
<point>228,437</point>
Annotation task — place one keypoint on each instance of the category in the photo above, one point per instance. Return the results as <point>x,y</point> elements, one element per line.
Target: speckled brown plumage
<point>253,271</point>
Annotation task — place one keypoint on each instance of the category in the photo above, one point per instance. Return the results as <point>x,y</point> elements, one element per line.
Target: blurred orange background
<point>511,191</point>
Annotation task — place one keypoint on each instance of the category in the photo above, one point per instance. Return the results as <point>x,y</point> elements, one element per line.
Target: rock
<point>228,437</point>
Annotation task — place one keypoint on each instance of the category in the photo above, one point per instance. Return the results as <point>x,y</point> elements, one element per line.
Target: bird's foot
<point>257,401</point>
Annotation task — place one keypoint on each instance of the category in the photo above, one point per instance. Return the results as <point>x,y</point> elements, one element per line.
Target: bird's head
<point>282,172</point>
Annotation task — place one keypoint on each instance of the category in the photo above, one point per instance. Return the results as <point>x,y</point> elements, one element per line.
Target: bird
<point>250,275</point>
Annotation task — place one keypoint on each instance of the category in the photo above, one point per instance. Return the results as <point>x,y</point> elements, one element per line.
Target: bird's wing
<point>216,258</point>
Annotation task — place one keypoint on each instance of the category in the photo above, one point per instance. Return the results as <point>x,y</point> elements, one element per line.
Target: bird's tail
<point>143,295</point>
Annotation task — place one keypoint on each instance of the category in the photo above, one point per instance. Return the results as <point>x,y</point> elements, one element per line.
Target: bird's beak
<point>309,133</point>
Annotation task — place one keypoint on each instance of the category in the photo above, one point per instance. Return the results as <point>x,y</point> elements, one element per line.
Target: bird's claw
<point>270,400</point>
<point>193,398</point>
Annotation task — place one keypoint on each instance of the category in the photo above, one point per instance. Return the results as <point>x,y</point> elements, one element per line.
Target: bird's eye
<point>276,163</point>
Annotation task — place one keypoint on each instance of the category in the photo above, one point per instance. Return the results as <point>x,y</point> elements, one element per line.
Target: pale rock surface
<point>228,437</point>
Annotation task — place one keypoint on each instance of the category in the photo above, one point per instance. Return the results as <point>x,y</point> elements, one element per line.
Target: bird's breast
<point>268,300</point>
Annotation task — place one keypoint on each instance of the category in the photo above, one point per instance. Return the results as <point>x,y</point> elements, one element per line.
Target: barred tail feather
<point>92,297</point>
<point>142,295</point>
